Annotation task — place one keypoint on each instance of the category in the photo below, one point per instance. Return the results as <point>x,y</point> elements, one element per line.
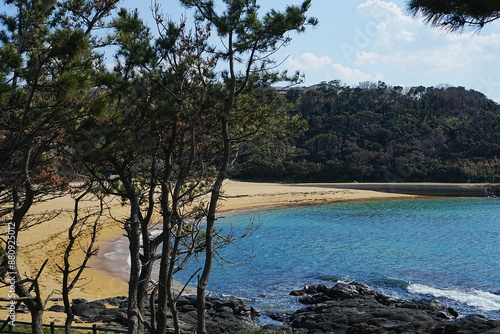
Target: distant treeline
<point>375,132</point>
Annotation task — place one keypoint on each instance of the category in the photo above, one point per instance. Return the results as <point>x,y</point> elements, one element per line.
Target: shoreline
<point>420,189</point>
<point>249,196</point>
<point>48,240</point>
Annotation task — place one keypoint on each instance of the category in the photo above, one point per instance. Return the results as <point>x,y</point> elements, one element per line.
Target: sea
<point>445,249</point>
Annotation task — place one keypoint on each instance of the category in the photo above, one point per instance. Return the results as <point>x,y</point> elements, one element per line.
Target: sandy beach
<point>48,240</point>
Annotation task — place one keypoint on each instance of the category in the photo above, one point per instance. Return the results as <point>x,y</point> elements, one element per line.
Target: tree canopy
<point>456,14</point>
<point>376,132</point>
<point>48,71</point>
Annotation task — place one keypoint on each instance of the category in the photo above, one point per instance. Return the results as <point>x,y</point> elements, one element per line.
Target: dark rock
<point>309,300</point>
<point>272,328</point>
<point>186,308</point>
<point>451,329</point>
<point>225,312</point>
<point>56,308</point>
<point>79,301</point>
<point>278,316</point>
<point>90,310</point>
<point>97,304</point>
<point>452,312</point>
<point>297,293</point>
<point>353,308</point>
<point>83,310</point>
<point>358,308</point>
<point>310,289</point>
<point>444,315</point>
<point>477,324</point>
<point>344,291</point>
<point>112,315</point>
<point>321,288</point>
<point>185,300</point>
<point>255,312</point>
<point>493,191</point>
<point>340,291</point>
<point>121,318</point>
<point>116,301</point>
<point>223,316</point>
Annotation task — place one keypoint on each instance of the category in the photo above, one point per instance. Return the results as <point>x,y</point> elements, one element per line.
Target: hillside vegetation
<point>376,133</point>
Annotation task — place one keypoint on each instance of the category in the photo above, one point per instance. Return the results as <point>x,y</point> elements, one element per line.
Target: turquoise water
<point>446,249</point>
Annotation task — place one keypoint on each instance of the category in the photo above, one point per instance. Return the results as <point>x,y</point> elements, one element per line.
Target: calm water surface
<point>446,249</point>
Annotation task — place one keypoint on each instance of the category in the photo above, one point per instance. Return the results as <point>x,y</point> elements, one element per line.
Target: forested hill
<point>375,132</point>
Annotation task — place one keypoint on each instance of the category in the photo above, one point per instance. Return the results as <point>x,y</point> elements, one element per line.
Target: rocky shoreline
<point>358,308</point>
<point>353,308</point>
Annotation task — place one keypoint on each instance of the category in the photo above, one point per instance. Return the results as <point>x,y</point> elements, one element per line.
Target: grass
<point>27,329</point>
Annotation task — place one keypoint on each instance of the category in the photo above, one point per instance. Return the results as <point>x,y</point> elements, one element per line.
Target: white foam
<point>119,251</point>
<point>118,256</point>
<point>156,232</point>
<point>482,300</point>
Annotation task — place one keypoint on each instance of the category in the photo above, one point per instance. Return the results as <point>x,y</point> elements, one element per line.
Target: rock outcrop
<point>353,308</point>
<point>223,316</point>
<point>358,308</point>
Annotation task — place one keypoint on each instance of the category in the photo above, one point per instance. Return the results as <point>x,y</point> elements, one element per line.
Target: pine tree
<point>46,73</point>
<point>456,14</point>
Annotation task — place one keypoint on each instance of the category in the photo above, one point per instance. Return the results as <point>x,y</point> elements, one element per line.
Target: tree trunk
<point>166,262</point>
<point>133,286</point>
<point>165,298</point>
<point>214,199</point>
<point>172,302</point>
<point>67,309</point>
<point>146,268</point>
<point>210,230</point>
<point>33,303</point>
<point>37,321</point>
<point>70,317</point>
<point>162,279</point>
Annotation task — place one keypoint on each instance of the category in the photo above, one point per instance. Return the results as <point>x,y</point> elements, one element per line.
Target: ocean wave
<point>118,251</point>
<point>482,300</point>
<point>392,283</point>
<point>336,279</point>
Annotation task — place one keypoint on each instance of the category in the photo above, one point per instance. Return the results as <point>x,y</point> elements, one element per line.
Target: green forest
<point>379,133</point>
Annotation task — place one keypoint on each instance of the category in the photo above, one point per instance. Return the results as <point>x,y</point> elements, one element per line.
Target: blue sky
<point>374,40</point>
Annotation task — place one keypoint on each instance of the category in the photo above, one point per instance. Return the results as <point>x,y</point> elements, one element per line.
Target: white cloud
<point>351,76</point>
<point>367,58</point>
<point>445,53</point>
<point>307,62</point>
<point>447,59</point>
<point>392,24</point>
<point>323,68</point>
<point>402,43</point>
<point>383,43</point>
<point>383,10</point>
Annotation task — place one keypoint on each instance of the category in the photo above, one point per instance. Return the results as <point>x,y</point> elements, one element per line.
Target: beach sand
<point>48,240</point>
